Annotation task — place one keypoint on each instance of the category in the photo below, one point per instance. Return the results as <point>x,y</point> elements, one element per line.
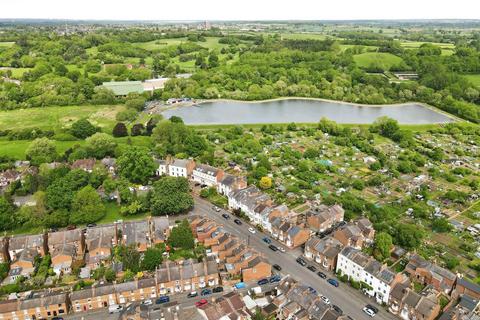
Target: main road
<point>350,300</point>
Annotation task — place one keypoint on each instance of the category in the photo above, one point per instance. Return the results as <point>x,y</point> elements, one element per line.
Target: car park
<point>325,299</point>
<point>277,267</point>
<point>275,278</point>
<point>312,268</point>
<point>225,216</point>
<point>238,221</point>
<point>192,294</point>
<point>337,309</point>
<point>301,261</point>
<point>206,292</point>
<point>273,247</point>
<point>322,275</point>
<point>201,303</point>
<point>252,230</point>
<point>267,240</point>
<point>333,282</point>
<point>218,289</point>
<point>262,282</point>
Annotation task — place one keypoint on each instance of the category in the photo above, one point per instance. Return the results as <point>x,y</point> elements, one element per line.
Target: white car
<point>369,312</point>
<point>252,230</point>
<point>281,249</point>
<point>325,299</point>
<point>147,302</point>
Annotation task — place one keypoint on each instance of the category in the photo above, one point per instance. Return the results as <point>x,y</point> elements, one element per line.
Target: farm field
<point>387,60</point>
<point>211,43</point>
<point>447,48</point>
<point>54,118</point>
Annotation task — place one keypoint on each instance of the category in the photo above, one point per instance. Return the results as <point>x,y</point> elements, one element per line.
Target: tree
<point>100,145</point>
<point>129,256</point>
<point>41,150</point>
<point>182,237</point>
<point>137,130</point>
<point>152,258</point>
<point>87,207</point>
<point>120,130</point>
<point>6,215</point>
<point>170,195</point>
<point>136,165</point>
<point>110,275</point>
<point>441,225</point>
<point>265,183</point>
<point>82,129</point>
<point>385,126</point>
<point>383,245</point>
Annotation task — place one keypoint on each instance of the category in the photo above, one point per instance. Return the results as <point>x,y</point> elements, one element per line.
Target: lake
<point>301,110</point>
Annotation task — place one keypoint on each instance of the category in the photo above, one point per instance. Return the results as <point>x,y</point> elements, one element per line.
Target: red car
<point>201,303</point>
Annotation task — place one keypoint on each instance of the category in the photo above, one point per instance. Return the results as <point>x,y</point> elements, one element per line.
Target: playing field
<point>54,118</point>
<point>384,59</point>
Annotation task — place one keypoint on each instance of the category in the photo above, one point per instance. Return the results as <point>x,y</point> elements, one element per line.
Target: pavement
<point>350,300</point>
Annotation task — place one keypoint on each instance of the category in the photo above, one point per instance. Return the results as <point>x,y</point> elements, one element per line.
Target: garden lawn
<point>474,78</point>
<point>384,59</point>
<point>55,118</point>
<point>113,214</point>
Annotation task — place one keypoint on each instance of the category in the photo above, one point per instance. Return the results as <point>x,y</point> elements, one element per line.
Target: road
<point>351,301</point>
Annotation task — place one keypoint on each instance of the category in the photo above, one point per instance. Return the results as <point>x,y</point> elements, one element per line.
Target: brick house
<point>62,258</point>
<point>136,233</point>
<point>96,297</point>
<point>84,164</point>
<point>409,305</point>
<point>159,229</point>
<point>181,168</point>
<point>323,251</point>
<point>25,261</point>
<point>427,273</point>
<point>19,243</point>
<point>463,286</point>
<point>99,243</point>
<point>356,234</point>
<point>288,233</point>
<point>43,306</point>
<point>324,217</point>
<point>256,269</point>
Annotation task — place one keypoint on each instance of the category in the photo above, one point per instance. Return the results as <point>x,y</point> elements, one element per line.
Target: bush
<point>127,115</point>
<point>120,130</point>
<point>83,129</point>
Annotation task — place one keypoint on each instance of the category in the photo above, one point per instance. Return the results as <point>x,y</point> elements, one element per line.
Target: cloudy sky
<point>240,9</point>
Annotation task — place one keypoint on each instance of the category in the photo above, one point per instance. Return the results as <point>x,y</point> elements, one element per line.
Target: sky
<point>240,9</point>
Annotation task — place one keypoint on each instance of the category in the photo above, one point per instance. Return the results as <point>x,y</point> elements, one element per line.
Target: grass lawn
<point>113,214</point>
<point>417,44</point>
<point>387,60</point>
<point>474,78</point>
<point>6,44</point>
<point>304,36</point>
<point>58,117</point>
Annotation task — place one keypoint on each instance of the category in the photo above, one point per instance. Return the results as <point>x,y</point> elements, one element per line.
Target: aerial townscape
<point>199,164</point>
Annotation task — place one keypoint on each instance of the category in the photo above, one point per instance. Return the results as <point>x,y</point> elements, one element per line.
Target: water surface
<point>300,110</point>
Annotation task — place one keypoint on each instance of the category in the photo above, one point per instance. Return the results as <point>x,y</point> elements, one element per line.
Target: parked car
<point>281,249</point>
<point>273,247</point>
<point>301,261</point>
<point>162,299</point>
<point>325,299</point>
<point>322,275</point>
<point>237,221</point>
<point>252,230</point>
<point>217,209</point>
<point>267,240</point>
<point>240,285</point>
<point>91,225</point>
<point>206,292</point>
<point>277,267</point>
<point>275,278</point>
<point>262,282</point>
<point>312,268</point>
<point>201,303</point>
<point>226,216</point>
<point>369,312</point>
<point>333,282</point>
<point>337,308</point>
<point>115,308</point>
<point>217,289</point>
<point>192,294</point>
<point>147,302</point>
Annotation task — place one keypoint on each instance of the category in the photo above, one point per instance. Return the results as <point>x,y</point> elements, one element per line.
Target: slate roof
<point>469,285</point>
<point>206,169</point>
<point>64,237</point>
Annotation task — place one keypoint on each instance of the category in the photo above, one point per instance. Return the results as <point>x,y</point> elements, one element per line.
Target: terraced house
<point>36,306</point>
<point>323,251</point>
<point>207,175</point>
<point>65,247</point>
<point>324,217</point>
<point>360,267</point>
<point>99,243</point>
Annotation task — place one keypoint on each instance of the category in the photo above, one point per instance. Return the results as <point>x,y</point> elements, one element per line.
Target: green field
<point>303,36</point>
<point>6,44</point>
<point>474,78</point>
<point>211,43</point>
<point>387,60</point>
<point>447,48</point>
<point>55,118</point>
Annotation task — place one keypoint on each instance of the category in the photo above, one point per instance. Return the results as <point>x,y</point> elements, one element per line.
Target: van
<point>115,308</point>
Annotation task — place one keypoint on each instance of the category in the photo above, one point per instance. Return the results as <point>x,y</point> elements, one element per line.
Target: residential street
<point>351,301</point>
